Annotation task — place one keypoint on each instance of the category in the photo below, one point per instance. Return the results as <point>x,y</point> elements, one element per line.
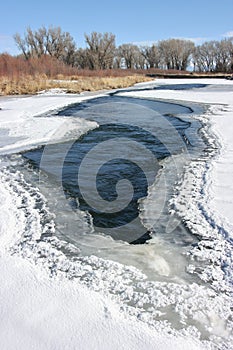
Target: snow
<point>48,302</point>
<point>40,313</point>
<point>22,129</point>
<point>42,307</point>
<point>209,214</point>
<point>220,116</point>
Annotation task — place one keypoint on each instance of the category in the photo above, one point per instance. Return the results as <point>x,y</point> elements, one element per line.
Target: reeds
<point>28,84</point>
<point>19,76</point>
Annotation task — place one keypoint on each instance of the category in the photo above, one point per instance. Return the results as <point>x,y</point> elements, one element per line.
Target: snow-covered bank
<point>208,183</point>
<point>221,118</point>
<point>39,311</point>
<point>44,306</point>
<point>20,128</point>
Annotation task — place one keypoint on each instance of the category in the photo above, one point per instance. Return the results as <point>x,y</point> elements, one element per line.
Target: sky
<point>140,22</point>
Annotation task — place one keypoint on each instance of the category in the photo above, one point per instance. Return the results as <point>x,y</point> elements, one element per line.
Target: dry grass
<point>29,84</point>
<point>19,76</point>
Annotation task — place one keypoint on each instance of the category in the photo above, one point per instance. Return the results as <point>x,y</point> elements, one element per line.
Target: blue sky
<point>131,21</point>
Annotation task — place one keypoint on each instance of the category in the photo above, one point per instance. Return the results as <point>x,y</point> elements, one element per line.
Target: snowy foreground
<point>40,310</point>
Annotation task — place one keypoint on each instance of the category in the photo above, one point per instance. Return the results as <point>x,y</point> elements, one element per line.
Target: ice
<point>23,127</point>
<point>209,184</point>
<point>50,301</point>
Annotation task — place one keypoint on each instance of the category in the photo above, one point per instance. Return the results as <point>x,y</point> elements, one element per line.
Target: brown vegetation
<point>20,76</point>
<point>13,67</point>
<point>33,84</point>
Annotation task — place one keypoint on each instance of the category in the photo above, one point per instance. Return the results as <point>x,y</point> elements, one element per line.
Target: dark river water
<point>123,160</point>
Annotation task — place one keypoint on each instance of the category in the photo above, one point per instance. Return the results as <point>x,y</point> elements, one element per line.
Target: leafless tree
<point>81,59</point>
<point>100,50</point>
<point>51,41</point>
<point>224,55</point>
<point>176,53</point>
<point>117,61</point>
<point>204,56</point>
<point>166,55</point>
<point>140,62</point>
<point>22,45</point>
<point>214,56</point>
<point>131,55</point>
<point>151,55</point>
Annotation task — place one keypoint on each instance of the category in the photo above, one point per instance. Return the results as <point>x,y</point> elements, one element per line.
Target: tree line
<point>101,52</point>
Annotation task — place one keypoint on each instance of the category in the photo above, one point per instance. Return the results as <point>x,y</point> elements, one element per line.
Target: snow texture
<point>48,301</point>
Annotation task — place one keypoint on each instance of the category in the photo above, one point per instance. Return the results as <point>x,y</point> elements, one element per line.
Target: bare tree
<point>130,54</point>
<point>224,55</point>
<point>81,59</point>
<point>152,56</point>
<point>184,50</point>
<point>118,61</point>
<point>100,50</point>
<point>166,54</point>
<point>140,62</point>
<point>22,45</point>
<point>214,56</point>
<point>204,56</point>
<point>176,53</point>
<point>50,41</point>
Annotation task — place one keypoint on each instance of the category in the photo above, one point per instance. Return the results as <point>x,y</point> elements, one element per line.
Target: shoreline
<point>213,205</point>
<point>40,272</point>
<point>221,109</point>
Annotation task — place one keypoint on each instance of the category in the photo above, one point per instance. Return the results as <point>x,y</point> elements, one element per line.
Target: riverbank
<point>32,84</point>
<point>220,115</point>
<point>28,84</point>
<point>57,312</point>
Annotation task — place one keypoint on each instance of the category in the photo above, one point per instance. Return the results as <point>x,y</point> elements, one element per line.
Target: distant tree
<point>231,54</point>
<point>51,41</point>
<point>100,50</point>
<point>152,56</point>
<point>224,55</point>
<point>140,62</point>
<point>117,61</point>
<point>214,56</point>
<point>176,53</point>
<point>204,57</point>
<point>81,59</point>
<point>22,45</point>
<point>166,54</point>
<point>131,55</point>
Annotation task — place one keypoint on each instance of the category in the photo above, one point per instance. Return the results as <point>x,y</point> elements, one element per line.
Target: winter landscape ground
<point>48,301</point>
